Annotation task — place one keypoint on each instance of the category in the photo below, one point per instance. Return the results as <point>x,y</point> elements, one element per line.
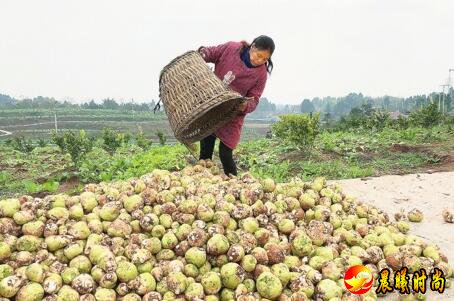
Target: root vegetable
<point>194,234</point>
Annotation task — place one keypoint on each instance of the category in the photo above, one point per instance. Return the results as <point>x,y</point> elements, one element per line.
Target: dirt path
<point>430,193</point>
<point>4,133</point>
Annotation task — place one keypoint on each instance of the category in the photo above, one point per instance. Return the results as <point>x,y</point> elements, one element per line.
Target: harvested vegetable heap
<point>197,234</point>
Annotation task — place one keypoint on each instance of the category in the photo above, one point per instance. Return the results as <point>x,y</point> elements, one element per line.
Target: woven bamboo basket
<point>195,100</point>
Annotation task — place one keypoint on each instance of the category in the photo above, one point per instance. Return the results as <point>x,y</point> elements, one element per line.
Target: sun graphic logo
<point>358,279</point>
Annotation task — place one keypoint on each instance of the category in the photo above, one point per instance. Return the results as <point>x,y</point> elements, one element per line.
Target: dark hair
<point>263,43</point>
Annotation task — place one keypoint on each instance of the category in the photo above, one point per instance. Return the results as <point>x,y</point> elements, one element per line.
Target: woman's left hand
<point>242,107</point>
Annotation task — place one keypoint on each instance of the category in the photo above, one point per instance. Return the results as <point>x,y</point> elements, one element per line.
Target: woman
<point>244,68</point>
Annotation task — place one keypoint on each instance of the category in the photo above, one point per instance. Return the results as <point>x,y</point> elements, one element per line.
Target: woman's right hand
<point>200,51</point>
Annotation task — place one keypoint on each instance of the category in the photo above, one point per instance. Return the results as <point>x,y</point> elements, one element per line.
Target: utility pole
<point>439,102</point>
<point>450,84</point>
<point>449,78</point>
<point>55,121</point>
<point>443,98</point>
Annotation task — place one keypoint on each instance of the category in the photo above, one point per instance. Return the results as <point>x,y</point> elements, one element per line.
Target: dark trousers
<point>225,154</point>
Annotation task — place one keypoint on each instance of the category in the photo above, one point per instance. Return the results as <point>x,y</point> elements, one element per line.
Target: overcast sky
<point>79,50</point>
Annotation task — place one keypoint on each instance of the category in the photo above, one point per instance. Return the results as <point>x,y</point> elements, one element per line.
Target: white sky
<point>78,50</point>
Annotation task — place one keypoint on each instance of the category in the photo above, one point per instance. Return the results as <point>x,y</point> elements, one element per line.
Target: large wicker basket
<point>195,100</point>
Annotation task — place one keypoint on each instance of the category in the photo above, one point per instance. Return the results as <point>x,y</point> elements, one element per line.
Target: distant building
<point>394,115</point>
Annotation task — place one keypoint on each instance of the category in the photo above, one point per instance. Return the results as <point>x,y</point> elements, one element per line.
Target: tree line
<point>342,106</point>
<point>41,102</point>
<point>336,107</point>
<point>332,107</point>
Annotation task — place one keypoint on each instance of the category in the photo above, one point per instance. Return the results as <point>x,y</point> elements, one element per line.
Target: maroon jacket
<point>249,82</point>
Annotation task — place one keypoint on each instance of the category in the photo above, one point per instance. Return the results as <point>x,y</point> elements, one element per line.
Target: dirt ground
<point>430,193</point>
<point>444,152</point>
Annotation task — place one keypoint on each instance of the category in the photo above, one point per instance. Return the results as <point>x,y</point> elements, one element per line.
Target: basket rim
<point>183,137</point>
<point>191,118</point>
<point>173,61</point>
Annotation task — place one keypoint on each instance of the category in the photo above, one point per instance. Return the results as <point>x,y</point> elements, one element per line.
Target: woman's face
<point>258,57</point>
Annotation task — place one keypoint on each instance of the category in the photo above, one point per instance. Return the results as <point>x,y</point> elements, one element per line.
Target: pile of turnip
<point>196,234</point>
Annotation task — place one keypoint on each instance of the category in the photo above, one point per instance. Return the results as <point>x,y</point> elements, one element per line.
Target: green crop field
<point>47,169</point>
<point>37,124</point>
<point>32,161</point>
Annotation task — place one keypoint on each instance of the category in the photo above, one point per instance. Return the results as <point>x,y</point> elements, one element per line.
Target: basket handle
<point>157,107</point>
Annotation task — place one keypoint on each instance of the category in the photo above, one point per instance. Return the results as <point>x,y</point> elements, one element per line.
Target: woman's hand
<point>200,51</point>
<point>242,107</point>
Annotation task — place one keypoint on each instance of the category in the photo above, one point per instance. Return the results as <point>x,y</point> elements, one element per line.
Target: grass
<point>45,169</point>
<point>39,170</point>
<point>130,161</point>
<point>340,155</point>
<point>335,155</point>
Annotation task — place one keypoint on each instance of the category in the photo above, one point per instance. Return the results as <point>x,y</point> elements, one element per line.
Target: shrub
<point>365,117</point>
<point>299,129</point>
<point>378,119</point>
<point>73,143</point>
<point>161,136</point>
<point>42,142</point>
<point>426,116</point>
<point>142,141</point>
<point>402,123</point>
<point>21,144</point>
<point>113,139</point>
